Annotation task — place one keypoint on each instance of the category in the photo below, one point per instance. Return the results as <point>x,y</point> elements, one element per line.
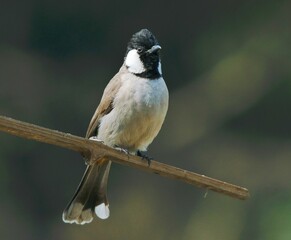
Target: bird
<point>129,116</point>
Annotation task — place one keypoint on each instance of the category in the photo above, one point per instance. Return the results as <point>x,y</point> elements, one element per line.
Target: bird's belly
<point>136,118</point>
<point>139,132</point>
<point>133,130</point>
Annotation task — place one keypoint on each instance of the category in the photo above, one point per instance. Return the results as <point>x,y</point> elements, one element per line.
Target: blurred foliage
<point>227,66</point>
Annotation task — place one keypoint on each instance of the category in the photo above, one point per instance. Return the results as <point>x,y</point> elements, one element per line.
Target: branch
<point>93,150</point>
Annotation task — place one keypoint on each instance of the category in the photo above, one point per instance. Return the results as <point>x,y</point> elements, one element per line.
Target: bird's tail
<point>91,195</point>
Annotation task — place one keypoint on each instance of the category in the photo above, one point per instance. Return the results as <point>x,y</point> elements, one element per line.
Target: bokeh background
<point>228,69</point>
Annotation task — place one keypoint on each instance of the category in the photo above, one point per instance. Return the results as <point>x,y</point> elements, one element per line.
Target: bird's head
<point>142,56</point>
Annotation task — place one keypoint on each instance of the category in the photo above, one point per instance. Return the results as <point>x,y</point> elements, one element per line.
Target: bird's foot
<point>94,138</point>
<point>124,150</point>
<point>144,157</point>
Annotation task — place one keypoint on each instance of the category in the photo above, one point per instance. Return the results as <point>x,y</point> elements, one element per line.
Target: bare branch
<point>93,150</point>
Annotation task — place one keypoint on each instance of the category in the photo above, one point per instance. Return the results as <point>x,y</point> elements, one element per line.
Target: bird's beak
<point>154,48</point>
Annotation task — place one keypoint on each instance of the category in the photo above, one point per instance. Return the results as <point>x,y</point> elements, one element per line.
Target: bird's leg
<point>144,157</point>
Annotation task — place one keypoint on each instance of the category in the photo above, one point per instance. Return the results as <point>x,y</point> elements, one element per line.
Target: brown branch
<point>94,150</point>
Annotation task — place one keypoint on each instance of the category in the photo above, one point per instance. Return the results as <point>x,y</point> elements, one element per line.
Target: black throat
<point>150,74</point>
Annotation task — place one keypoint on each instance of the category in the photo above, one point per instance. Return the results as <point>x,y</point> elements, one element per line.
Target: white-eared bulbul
<point>130,115</point>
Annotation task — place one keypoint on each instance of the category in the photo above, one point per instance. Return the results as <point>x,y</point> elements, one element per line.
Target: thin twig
<point>94,150</point>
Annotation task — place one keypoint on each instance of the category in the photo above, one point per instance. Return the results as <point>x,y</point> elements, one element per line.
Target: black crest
<point>142,39</point>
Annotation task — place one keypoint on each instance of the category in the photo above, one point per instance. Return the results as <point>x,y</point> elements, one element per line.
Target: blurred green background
<point>227,65</point>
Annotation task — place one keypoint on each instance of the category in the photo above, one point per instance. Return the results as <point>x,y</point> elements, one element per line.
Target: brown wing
<point>106,103</point>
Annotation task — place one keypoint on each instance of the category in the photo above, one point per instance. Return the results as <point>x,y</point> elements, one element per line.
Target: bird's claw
<point>144,157</point>
<point>124,150</point>
<point>94,138</point>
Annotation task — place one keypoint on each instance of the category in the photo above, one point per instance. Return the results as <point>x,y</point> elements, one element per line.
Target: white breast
<point>139,110</point>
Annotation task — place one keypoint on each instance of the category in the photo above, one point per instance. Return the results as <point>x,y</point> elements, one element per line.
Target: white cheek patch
<point>133,62</point>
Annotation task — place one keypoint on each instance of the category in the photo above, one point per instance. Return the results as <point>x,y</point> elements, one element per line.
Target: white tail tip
<point>102,211</point>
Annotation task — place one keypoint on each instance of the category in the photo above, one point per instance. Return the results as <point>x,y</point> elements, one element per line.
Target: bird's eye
<point>139,50</point>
